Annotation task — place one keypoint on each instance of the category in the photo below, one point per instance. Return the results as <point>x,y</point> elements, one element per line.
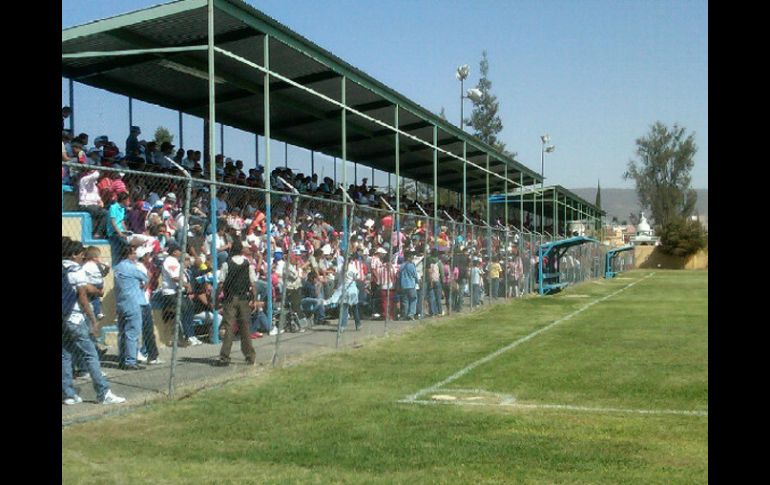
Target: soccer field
<point>606,382</point>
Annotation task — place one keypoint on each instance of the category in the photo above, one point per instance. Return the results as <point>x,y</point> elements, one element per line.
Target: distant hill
<point>622,202</point>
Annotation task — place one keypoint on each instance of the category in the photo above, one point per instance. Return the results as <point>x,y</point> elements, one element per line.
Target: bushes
<point>683,237</point>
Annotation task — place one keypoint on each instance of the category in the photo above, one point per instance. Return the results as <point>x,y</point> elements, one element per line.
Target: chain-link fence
<point>174,268</point>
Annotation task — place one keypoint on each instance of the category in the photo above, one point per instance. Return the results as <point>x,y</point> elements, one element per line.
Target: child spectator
<point>95,273</point>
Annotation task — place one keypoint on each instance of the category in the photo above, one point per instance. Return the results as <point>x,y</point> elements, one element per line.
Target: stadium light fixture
<point>545,148</point>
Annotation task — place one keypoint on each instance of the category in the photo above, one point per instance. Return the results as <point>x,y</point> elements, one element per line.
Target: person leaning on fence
<point>239,288</point>
<point>78,324</point>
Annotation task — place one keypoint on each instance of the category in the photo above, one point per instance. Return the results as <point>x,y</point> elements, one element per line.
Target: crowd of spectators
<point>422,267</point>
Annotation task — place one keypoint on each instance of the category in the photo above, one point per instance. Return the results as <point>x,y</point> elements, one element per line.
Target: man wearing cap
<point>129,297</point>
<point>240,294</point>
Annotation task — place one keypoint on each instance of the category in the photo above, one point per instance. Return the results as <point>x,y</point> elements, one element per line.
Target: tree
<point>484,119</point>
<point>442,114</point>
<point>162,134</point>
<point>598,201</point>
<point>683,237</point>
<point>662,173</point>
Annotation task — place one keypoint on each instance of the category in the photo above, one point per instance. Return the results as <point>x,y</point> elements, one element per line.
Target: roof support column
<point>72,107</point>
<point>521,204</point>
<point>181,131</point>
<point>344,142</point>
<point>222,139</point>
<point>465,187</point>
<point>130,114</point>
<point>489,238</point>
<point>555,217</point>
<point>435,181</point>
<point>268,202</point>
<point>505,208</point>
<point>312,163</point>
<point>398,184</point>
<point>565,217</point>
<point>212,168</point>
<point>286,154</point>
<point>256,150</point>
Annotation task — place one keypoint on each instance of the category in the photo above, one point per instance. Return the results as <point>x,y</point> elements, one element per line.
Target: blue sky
<point>593,74</point>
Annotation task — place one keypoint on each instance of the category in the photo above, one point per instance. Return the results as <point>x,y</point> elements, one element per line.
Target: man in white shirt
<point>173,279</point>
<point>90,201</point>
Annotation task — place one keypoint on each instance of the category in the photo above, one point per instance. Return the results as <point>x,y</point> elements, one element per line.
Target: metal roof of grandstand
<point>562,196</point>
<point>174,74</point>
<point>565,243</point>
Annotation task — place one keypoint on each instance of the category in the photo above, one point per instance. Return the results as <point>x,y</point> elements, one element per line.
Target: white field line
<point>567,407</point>
<point>514,344</point>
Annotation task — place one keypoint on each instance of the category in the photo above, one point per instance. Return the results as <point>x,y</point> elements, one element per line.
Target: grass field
<point>606,382</point>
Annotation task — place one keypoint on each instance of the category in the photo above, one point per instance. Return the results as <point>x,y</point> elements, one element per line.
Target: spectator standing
<point>149,351</point>
<point>90,201</point>
<point>495,270</point>
<point>76,330</point>
<point>240,295</point>
<point>129,297</point>
<point>172,281</point>
<point>116,230</point>
<point>407,281</point>
<point>133,149</point>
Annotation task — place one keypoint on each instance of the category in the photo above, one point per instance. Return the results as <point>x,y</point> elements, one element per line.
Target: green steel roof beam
<point>263,23</point>
<point>132,18</point>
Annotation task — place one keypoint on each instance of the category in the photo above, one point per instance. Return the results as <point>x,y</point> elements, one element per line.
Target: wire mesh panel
<point>181,268</point>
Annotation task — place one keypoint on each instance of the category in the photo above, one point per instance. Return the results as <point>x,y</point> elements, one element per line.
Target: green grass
<point>337,420</point>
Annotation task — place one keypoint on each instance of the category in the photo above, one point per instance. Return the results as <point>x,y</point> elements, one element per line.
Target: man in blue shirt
<point>116,226</point>
<point>407,279</point>
<point>129,284</point>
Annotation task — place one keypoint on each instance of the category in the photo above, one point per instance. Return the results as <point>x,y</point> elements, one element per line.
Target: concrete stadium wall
<point>647,257</point>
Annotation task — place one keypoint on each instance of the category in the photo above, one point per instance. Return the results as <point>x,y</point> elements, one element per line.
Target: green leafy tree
<point>162,134</point>
<point>484,118</point>
<point>683,237</point>
<point>662,173</point>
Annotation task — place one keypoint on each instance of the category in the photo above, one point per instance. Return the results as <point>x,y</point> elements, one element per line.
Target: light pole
<point>462,74</point>
<point>545,148</point>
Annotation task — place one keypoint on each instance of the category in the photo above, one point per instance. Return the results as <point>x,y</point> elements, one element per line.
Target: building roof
<point>159,55</point>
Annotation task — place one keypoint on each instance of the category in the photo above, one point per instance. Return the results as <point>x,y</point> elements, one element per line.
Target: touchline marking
<point>514,344</point>
<point>566,407</point>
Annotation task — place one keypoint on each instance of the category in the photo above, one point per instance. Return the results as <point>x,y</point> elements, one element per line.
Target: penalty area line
<point>562,407</point>
<point>514,344</point>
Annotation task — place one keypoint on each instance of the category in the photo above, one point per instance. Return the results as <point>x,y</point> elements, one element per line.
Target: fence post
<point>182,276</point>
<point>282,317</point>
